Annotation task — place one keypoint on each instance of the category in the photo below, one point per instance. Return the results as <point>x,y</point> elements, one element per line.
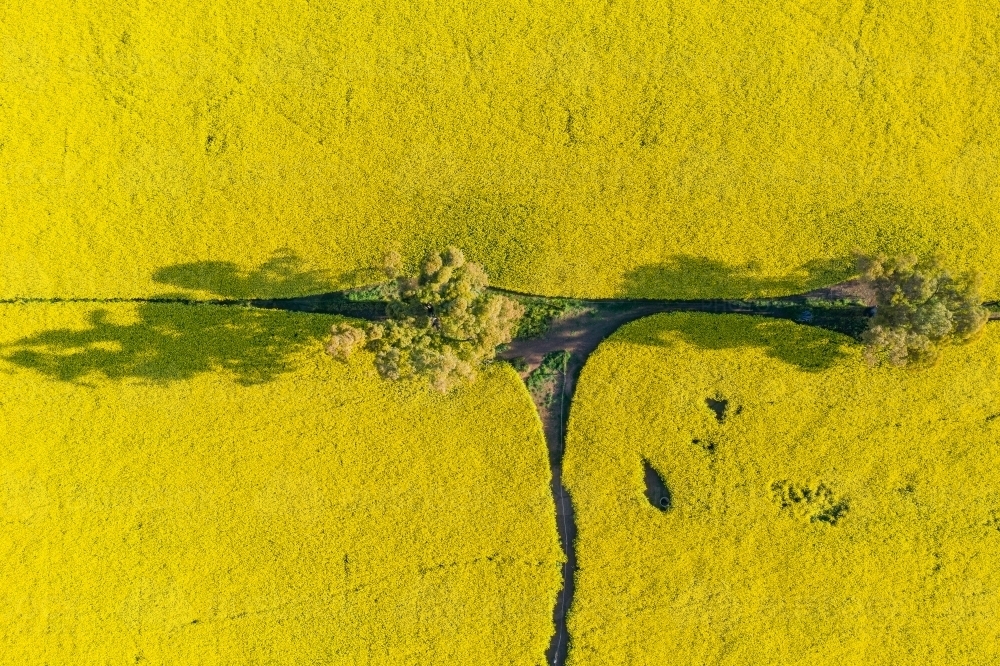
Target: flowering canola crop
<point>172,505</point>
<point>821,511</point>
<point>641,147</point>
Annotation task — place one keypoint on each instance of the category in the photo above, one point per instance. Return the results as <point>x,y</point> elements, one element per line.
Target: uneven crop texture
<point>174,491</point>
<point>672,148</point>
<point>822,512</point>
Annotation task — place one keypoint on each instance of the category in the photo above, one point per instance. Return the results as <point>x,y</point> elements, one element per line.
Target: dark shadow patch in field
<point>718,405</point>
<point>808,347</point>
<point>657,491</point>
<point>690,277</point>
<point>283,275</point>
<point>169,342</point>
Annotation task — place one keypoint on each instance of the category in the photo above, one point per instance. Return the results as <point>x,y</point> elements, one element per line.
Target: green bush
<point>542,379</point>
<point>441,325</point>
<point>919,307</point>
<point>539,313</point>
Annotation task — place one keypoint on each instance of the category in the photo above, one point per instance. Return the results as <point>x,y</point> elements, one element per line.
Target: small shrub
<point>518,363</point>
<point>542,379</point>
<point>539,313</point>
<point>377,292</point>
<point>343,339</point>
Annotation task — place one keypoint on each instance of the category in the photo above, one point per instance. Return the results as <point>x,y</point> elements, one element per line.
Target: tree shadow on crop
<point>807,347</point>
<point>170,342</point>
<point>283,275</point>
<point>686,277</point>
<point>162,342</point>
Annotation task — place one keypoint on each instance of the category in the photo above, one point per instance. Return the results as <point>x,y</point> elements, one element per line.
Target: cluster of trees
<point>920,307</point>
<point>441,324</point>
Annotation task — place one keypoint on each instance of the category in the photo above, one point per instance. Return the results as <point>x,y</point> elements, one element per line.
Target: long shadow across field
<point>281,275</point>
<point>173,337</point>
<point>806,347</point>
<point>169,342</point>
<point>686,277</point>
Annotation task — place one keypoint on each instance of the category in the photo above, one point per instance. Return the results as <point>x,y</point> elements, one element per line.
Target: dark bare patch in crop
<point>813,503</point>
<point>719,406</point>
<point>705,445</point>
<point>657,491</point>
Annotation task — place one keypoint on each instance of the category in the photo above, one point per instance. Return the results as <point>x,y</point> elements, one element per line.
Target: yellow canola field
<point>207,500</point>
<point>836,515</point>
<point>641,147</point>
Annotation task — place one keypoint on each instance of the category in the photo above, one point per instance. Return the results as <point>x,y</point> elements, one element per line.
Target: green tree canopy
<point>920,306</point>
<point>442,323</point>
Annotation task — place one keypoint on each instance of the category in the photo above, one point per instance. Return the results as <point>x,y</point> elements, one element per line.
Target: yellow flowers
<point>203,486</point>
<point>164,503</point>
<point>822,511</point>
<point>685,150</point>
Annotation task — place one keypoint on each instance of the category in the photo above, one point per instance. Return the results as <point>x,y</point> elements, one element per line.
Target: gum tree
<point>920,307</point>
<point>441,325</point>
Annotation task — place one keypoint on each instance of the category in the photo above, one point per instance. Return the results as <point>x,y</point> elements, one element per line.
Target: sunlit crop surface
<point>823,513</point>
<point>198,485</point>
<point>641,147</point>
